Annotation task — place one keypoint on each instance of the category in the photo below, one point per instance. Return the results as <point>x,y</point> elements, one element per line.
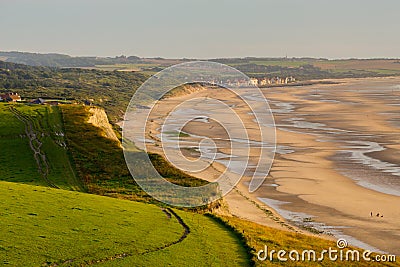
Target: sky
<point>203,28</point>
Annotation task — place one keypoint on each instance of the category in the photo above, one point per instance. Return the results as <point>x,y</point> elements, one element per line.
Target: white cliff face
<point>100,120</point>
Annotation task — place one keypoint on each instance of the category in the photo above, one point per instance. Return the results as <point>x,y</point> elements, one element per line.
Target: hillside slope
<point>34,151</point>
<point>41,226</point>
<point>55,147</point>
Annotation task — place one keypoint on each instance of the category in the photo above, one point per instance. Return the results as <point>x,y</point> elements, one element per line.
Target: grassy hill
<point>100,161</point>
<point>54,147</point>
<point>33,148</point>
<point>42,226</point>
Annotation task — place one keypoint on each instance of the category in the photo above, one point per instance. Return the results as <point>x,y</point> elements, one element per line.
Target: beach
<point>337,158</point>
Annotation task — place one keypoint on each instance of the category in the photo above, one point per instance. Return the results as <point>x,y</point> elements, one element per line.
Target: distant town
<point>269,81</point>
<point>261,82</point>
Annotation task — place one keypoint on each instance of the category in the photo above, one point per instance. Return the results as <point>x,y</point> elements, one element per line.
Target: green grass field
<point>42,126</point>
<point>42,226</point>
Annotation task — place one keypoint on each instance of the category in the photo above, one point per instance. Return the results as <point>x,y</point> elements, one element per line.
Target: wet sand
<point>337,159</point>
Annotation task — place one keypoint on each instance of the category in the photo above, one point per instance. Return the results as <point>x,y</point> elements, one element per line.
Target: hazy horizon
<point>203,29</point>
<point>178,58</point>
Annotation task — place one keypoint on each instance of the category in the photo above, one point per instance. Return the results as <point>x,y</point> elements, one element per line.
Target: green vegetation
<point>110,90</point>
<point>63,61</point>
<point>104,86</point>
<point>33,147</point>
<point>143,67</point>
<point>77,155</point>
<point>313,68</point>
<point>75,229</point>
<point>100,161</point>
<point>172,174</point>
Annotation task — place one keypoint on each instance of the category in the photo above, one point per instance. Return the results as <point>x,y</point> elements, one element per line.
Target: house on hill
<point>10,97</point>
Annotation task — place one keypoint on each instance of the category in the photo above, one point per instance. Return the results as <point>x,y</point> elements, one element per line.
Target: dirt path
<point>182,223</point>
<point>35,144</point>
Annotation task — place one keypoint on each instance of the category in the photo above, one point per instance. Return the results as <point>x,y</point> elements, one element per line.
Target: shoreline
<point>332,198</point>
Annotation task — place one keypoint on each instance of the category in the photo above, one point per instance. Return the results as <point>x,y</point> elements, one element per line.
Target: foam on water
<point>358,152</point>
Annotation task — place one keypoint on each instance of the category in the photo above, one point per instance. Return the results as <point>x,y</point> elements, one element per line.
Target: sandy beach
<point>337,159</point>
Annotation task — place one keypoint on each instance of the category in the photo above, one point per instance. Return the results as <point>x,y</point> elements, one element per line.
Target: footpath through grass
<point>33,148</point>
